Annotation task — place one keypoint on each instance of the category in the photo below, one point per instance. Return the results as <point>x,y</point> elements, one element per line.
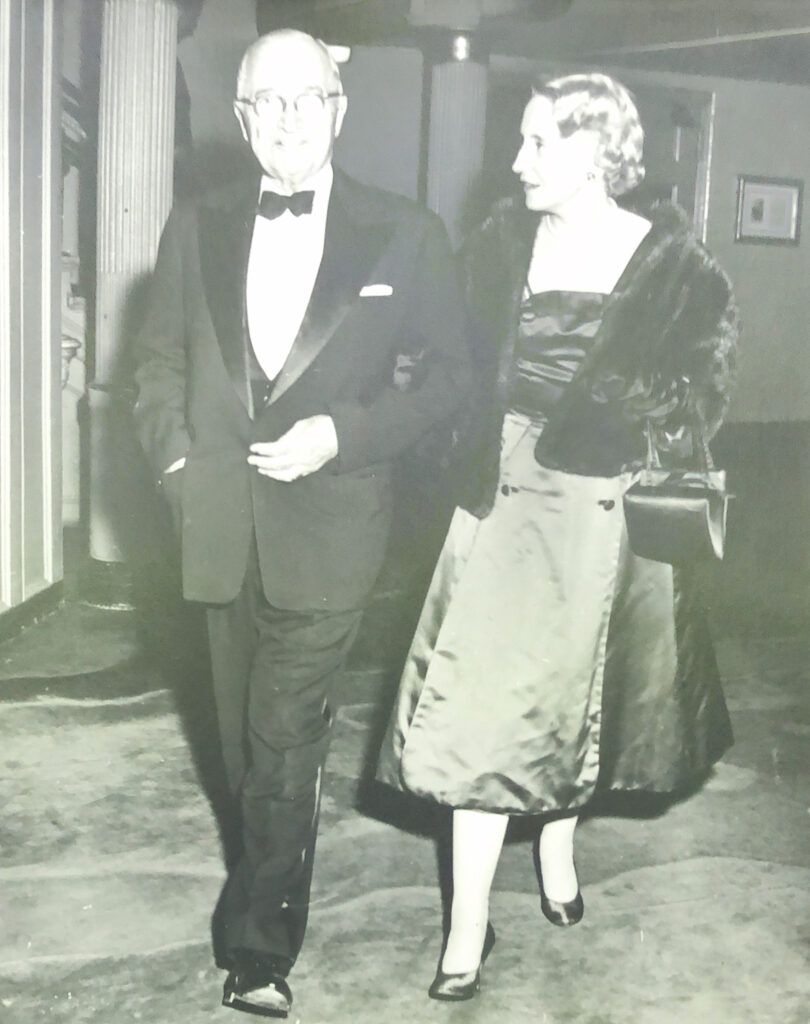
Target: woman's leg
<point>477,842</point>
<point>556,849</point>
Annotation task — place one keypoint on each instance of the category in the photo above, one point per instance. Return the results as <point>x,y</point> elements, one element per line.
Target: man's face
<point>291,145</point>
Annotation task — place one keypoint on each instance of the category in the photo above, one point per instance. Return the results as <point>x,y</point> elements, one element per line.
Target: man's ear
<point>239,114</point>
<point>340,113</point>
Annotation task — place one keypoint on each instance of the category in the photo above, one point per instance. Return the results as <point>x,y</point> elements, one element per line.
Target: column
<point>457,80</point>
<point>135,167</point>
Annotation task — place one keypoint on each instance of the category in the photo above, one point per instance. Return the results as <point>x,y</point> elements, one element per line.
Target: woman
<point>549,662</point>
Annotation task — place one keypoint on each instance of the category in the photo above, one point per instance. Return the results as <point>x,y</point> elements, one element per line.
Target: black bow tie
<point>272,205</point>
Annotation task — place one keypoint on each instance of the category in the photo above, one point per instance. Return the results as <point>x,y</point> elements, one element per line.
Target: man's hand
<point>307,445</point>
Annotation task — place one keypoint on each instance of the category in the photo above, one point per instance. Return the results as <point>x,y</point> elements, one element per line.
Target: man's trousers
<point>273,670</point>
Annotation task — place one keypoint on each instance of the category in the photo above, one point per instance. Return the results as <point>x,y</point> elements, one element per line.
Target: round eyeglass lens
<point>271,105</point>
<point>309,105</point>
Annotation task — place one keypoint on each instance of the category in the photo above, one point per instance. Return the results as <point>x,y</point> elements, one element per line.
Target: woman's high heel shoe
<point>562,914</point>
<point>457,987</point>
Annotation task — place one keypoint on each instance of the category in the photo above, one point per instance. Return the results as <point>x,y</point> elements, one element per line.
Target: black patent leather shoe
<point>259,988</point>
<point>562,914</point>
<point>457,987</point>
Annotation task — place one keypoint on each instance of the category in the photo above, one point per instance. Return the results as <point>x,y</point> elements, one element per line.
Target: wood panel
<point>30,186</point>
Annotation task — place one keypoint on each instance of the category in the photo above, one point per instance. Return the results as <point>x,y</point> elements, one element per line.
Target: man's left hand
<point>307,445</point>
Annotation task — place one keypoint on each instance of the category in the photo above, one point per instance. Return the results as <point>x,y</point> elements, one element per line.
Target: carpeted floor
<point>112,814</point>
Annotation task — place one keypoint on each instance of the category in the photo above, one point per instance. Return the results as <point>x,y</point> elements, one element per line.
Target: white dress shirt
<point>285,255</point>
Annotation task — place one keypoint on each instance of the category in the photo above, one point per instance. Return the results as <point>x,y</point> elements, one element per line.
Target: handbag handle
<point>652,460</point>
<point>700,446</point>
<point>700,443</point>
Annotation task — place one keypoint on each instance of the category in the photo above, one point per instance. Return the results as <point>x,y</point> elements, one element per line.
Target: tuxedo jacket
<point>386,291</point>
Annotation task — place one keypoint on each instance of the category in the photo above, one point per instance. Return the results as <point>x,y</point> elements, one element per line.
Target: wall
<point>210,59</point>
<point>380,142</point>
<point>761,128</point>
<point>764,129</point>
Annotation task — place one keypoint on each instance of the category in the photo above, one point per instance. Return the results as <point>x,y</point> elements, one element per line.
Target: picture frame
<point>768,210</point>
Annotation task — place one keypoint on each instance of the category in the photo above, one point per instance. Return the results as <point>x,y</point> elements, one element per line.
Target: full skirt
<point>549,661</point>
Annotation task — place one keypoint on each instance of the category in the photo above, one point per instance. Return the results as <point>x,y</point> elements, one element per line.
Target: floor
<point>113,835</point>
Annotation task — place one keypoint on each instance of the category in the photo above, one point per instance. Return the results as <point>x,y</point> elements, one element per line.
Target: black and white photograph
<point>769,210</point>
<point>404,502</point>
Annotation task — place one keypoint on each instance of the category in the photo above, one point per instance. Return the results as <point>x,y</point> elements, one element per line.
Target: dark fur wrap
<point>666,349</point>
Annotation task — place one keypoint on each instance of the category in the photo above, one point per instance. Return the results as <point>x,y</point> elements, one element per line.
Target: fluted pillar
<point>458,107</point>
<point>135,167</point>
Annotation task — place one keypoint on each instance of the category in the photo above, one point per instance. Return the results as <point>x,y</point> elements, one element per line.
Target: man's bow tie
<point>272,205</point>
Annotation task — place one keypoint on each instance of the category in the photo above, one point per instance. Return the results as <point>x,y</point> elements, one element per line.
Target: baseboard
<point>16,619</point>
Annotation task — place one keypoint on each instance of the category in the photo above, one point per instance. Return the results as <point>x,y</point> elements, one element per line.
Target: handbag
<point>677,516</point>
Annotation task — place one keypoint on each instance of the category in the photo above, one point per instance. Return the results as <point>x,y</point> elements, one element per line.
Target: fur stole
<point>666,350</point>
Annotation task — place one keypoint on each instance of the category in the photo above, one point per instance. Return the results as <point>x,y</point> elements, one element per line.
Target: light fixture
<point>461,48</point>
<point>340,54</point>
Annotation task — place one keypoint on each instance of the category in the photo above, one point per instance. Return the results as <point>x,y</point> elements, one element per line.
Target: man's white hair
<point>335,83</point>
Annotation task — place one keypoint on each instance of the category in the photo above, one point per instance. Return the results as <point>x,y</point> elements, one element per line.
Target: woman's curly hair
<point>598,103</point>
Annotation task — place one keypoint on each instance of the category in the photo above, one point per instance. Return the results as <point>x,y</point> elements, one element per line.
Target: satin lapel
<point>225,234</point>
<point>351,248</point>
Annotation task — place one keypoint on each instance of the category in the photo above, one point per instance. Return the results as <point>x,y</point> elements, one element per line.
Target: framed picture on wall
<point>768,210</point>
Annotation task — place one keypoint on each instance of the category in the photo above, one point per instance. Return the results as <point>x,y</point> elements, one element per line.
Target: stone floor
<point>111,855</point>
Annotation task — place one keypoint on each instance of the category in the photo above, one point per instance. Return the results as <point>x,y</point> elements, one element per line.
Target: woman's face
<point>553,170</point>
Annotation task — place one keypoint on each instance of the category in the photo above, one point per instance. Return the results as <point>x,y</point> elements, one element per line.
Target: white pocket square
<point>375,290</point>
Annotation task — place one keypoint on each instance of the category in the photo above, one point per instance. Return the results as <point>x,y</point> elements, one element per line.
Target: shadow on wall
<point>215,163</point>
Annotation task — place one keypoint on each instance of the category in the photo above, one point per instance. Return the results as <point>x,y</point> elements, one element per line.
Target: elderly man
<point>268,405</point>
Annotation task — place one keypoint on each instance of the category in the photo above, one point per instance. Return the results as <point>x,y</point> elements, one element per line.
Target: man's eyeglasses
<point>272,106</point>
